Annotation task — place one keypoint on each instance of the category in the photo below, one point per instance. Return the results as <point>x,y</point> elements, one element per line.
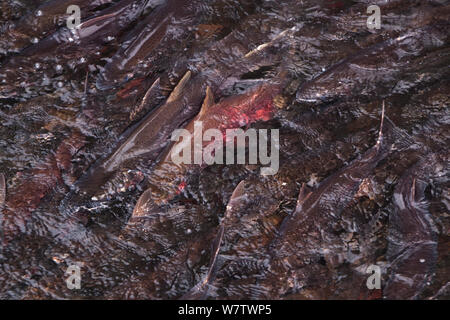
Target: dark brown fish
<point>91,36</point>
<point>335,192</point>
<point>233,112</point>
<point>108,23</point>
<point>139,46</point>
<point>35,184</point>
<point>145,142</point>
<point>412,250</point>
<point>310,233</point>
<point>360,73</point>
<point>234,205</point>
<point>44,20</point>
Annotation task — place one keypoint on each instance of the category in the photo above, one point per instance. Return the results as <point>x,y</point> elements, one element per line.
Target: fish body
<point>311,234</point>
<point>413,246</point>
<point>108,23</point>
<point>44,20</point>
<point>234,205</point>
<point>139,46</point>
<point>35,184</point>
<point>145,142</point>
<point>360,72</point>
<point>90,36</point>
<point>231,113</point>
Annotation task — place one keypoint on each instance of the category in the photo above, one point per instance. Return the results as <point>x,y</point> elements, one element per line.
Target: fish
<point>150,95</point>
<point>335,192</point>
<point>363,67</point>
<point>166,29</point>
<point>143,142</point>
<point>34,184</point>
<point>413,233</point>
<point>309,233</point>
<point>141,42</point>
<point>232,112</point>
<point>90,36</point>
<point>108,23</point>
<point>42,21</point>
<point>200,291</point>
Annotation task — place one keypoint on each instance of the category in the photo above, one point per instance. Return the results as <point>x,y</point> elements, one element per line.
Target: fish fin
<point>380,134</point>
<point>155,86</point>
<point>154,89</point>
<point>207,103</point>
<point>176,93</point>
<point>303,195</point>
<point>392,136</point>
<point>236,197</point>
<point>278,37</point>
<point>142,206</point>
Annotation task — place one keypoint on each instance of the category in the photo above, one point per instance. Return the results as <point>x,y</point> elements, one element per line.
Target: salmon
<point>233,112</point>
<point>413,247</point>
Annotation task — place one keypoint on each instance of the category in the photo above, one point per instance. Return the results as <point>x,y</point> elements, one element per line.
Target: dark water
<point>69,100</point>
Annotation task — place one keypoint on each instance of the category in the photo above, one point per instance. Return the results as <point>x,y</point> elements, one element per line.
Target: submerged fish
<point>234,205</point>
<point>91,34</point>
<point>43,21</point>
<point>35,184</point>
<point>145,142</point>
<point>139,46</point>
<point>233,112</point>
<point>311,233</point>
<point>360,72</point>
<point>334,193</point>
<point>413,246</point>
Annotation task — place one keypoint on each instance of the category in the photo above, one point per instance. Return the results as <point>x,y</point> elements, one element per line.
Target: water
<point>64,105</point>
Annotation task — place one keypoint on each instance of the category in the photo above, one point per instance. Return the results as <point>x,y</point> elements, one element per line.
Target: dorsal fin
<point>413,190</point>
<point>176,93</point>
<point>208,102</point>
<point>236,197</point>
<point>303,195</point>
